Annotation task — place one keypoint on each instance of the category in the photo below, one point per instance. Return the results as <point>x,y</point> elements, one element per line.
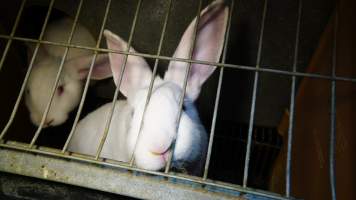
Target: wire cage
<point>241,154</point>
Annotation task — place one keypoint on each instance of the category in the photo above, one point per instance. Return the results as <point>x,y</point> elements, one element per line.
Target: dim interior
<point>274,49</point>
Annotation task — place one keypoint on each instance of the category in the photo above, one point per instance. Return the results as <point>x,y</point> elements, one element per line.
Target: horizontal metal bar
<point>7,152</point>
<point>106,179</point>
<point>235,66</point>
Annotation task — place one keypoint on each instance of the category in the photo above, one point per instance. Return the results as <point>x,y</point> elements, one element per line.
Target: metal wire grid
<point>257,69</point>
<point>232,140</point>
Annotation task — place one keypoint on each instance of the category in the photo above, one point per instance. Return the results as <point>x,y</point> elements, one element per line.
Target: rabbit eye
<point>60,90</point>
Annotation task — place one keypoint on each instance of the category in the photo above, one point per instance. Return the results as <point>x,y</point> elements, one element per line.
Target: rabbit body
<point>147,129</point>
<point>93,125</point>
<point>124,128</point>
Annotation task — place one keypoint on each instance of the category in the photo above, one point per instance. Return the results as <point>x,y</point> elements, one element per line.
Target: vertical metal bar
<point>292,103</point>
<point>163,33</point>
<point>218,92</point>
<point>253,105</point>
<point>48,106</point>
<point>13,31</point>
<point>23,87</point>
<point>333,111</point>
<point>110,114</point>
<point>82,100</point>
<point>181,100</point>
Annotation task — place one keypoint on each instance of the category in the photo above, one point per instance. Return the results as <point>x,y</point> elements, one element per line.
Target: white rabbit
<point>159,128</point>
<point>46,66</point>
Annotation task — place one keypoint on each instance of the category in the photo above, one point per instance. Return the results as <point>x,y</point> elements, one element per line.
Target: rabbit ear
<point>208,47</point>
<point>80,67</point>
<point>137,72</point>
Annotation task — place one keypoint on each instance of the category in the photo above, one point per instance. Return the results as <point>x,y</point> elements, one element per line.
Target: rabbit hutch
<point>264,90</point>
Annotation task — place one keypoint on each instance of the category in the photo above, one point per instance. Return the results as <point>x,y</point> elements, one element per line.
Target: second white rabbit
<point>75,69</point>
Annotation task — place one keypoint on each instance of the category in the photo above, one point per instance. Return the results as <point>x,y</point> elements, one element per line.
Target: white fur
<point>59,31</point>
<point>115,143</point>
<point>45,69</point>
<point>39,87</point>
<point>151,146</point>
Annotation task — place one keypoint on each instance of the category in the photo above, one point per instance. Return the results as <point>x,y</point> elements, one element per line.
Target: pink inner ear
<point>116,60</point>
<point>98,73</point>
<point>137,73</point>
<point>81,65</point>
<point>101,69</point>
<point>208,47</point>
<point>83,73</point>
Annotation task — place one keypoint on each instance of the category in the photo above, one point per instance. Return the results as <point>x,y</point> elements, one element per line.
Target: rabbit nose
<point>163,154</point>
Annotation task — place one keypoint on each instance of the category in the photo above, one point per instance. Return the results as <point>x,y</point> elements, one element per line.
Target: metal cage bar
<point>154,72</point>
<point>82,100</point>
<point>292,103</point>
<point>253,104</point>
<point>201,180</point>
<point>333,110</point>
<point>18,100</point>
<point>55,155</point>
<point>54,87</point>
<point>218,92</point>
<point>233,66</point>
<point>110,114</point>
<point>181,100</point>
<point>13,31</point>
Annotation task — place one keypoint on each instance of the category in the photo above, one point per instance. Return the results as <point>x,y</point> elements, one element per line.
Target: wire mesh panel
<point>235,144</point>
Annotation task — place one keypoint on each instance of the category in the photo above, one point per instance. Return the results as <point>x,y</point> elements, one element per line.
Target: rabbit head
<point>160,128</point>
<point>69,88</point>
<point>75,68</point>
